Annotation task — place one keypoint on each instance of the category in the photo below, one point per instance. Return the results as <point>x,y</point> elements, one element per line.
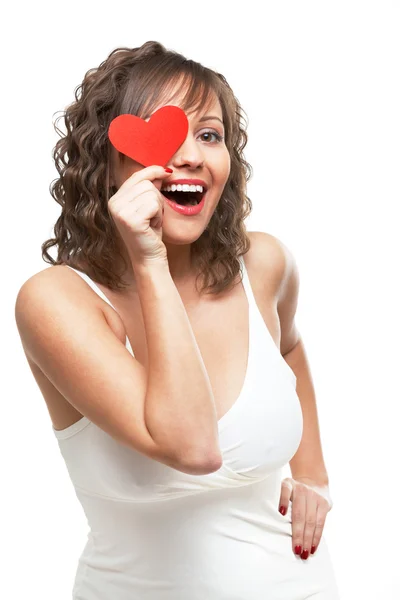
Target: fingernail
<point>168,170</point>
<point>282,510</point>
<point>304,554</point>
<point>297,550</point>
<point>312,549</point>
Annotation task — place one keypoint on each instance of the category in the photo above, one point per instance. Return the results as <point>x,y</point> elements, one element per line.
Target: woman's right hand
<point>137,210</point>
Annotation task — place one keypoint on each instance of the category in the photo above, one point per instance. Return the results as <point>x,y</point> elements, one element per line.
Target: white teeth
<point>182,188</point>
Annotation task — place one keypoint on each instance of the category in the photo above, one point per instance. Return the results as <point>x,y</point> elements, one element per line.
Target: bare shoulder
<point>58,283</point>
<point>274,263</point>
<point>54,273</point>
<point>271,259</point>
<point>54,281</point>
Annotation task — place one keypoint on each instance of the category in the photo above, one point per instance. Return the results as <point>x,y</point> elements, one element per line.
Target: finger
<point>130,193</point>
<point>286,492</point>
<point>299,505</point>
<point>160,202</point>
<point>150,173</point>
<point>134,191</point>
<point>133,202</point>
<point>143,207</point>
<point>309,524</point>
<point>144,187</point>
<point>320,519</point>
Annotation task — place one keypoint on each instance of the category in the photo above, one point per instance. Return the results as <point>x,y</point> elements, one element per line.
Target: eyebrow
<point>209,118</point>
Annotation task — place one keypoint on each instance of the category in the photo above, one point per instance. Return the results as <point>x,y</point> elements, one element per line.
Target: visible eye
<point>219,137</point>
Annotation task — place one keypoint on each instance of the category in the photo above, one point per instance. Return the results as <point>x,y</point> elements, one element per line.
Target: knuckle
<point>114,210</point>
<point>113,199</point>
<point>323,507</point>
<point>141,186</point>
<point>310,522</point>
<point>319,524</point>
<point>297,531</point>
<point>148,191</point>
<point>145,194</point>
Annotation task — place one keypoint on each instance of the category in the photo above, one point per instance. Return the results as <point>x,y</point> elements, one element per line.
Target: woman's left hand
<point>310,505</point>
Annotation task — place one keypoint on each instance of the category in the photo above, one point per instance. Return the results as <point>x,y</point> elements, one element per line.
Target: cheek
<point>222,166</point>
<point>227,168</point>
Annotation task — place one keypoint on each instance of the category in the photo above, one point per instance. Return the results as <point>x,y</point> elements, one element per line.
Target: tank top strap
<point>260,328</point>
<point>248,289</point>
<point>98,291</point>
<point>256,319</point>
<point>92,284</point>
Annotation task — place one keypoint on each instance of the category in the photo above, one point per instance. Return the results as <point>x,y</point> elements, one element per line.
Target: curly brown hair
<point>130,81</point>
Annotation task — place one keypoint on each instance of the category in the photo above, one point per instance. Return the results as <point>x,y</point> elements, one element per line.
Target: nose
<point>189,154</point>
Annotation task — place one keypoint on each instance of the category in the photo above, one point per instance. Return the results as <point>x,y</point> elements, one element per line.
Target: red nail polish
<point>168,170</point>
<point>297,550</point>
<point>282,510</point>
<point>304,554</point>
<point>312,549</point>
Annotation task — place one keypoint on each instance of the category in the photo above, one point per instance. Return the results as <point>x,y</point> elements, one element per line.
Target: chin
<point>182,238</point>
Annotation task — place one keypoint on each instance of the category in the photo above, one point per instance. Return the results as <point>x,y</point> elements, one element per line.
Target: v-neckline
<point>244,283</point>
<point>222,421</point>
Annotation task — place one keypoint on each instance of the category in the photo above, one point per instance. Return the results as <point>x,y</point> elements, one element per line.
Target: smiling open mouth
<point>184,198</point>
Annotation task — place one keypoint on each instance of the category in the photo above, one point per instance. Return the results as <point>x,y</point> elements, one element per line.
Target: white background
<point>319,82</point>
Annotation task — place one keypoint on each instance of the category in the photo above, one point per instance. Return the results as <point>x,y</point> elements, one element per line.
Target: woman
<point>175,405</point>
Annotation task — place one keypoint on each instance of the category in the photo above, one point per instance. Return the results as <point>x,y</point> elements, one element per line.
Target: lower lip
<point>186,210</point>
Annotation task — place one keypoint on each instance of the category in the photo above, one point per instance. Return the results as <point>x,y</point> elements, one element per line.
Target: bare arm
<point>308,462</point>
<point>65,333</point>
<point>180,412</point>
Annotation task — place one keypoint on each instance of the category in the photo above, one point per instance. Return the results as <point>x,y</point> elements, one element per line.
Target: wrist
<point>149,265</point>
<point>319,481</point>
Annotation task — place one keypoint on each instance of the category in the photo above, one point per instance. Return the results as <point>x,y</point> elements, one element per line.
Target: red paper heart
<point>150,142</point>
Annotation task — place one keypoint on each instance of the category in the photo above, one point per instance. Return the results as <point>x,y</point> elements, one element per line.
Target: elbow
<point>205,468</point>
<point>201,466</point>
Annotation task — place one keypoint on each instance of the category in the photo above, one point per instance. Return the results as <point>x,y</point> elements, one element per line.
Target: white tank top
<point>156,533</point>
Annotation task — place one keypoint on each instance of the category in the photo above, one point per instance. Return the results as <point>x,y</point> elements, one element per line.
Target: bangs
<point>192,89</point>
<point>191,95</point>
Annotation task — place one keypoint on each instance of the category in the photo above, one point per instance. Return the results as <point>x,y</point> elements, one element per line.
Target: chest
<point>221,329</point>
